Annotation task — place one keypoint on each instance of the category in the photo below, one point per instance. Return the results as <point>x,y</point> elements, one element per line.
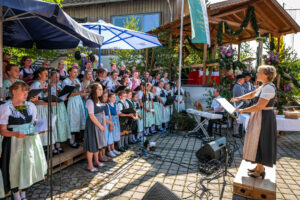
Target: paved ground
<point>129,177</point>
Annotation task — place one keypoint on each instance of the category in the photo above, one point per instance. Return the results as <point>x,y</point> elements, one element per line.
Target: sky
<point>291,40</point>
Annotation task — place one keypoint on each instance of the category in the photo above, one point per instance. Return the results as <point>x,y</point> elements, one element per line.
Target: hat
<point>247,74</point>
<point>240,76</point>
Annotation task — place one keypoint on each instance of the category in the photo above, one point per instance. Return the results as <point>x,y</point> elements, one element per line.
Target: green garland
<point>250,17</point>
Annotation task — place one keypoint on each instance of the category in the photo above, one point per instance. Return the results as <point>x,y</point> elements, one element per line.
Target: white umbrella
<point>116,37</point>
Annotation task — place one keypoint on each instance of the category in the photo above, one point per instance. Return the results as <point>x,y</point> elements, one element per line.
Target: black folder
<point>33,93</point>
<point>170,100</point>
<point>67,90</point>
<point>53,99</point>
<point>128,111</point>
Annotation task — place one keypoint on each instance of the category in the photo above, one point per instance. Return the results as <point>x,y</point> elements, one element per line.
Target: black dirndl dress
<point>267,145</point>
<point>93,137</point>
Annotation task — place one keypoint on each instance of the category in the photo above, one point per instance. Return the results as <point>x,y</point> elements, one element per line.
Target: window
<point>147,22</point>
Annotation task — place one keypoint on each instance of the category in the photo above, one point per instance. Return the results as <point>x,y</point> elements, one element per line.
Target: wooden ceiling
<point>271,18</point>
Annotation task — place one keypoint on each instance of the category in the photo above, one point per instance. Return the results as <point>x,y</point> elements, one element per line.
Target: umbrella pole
<point>1,47</point>
<point>180,54</point>
<point>99,59</point>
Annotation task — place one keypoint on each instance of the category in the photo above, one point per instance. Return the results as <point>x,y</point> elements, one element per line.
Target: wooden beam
<point>275,12</point>
<point>204,63</point>
<point>266,18</point>
<point>147,58</point>
<point>226,13</point>
<point>152,60</point>
<point>239,52</point>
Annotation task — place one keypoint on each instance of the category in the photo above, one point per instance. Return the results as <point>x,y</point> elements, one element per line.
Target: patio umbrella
<point>121,38</point>
<point>25,22</point>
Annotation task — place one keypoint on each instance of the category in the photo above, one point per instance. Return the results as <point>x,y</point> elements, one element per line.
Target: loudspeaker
<point>212,150</point>
<point>160,192</point>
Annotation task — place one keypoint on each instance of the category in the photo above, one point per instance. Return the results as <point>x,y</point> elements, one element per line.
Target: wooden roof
<point>270,15</point>
<point>72,3</point>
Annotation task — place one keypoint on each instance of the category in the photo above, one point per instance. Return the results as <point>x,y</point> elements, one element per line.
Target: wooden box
<point>255,188</point>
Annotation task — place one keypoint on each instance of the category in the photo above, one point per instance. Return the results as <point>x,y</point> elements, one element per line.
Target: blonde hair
<point>18,85</point>
<point>269,71</point>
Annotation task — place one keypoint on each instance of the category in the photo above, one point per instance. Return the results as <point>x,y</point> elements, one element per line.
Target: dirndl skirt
<point>62,122</point>
<point>140,121</point>
<point>157,113</point>
<point>149,120</point>
<point>2,192</point>
<point>42,113</point>
<point>116,131</point>
<point>101,135</point>
<point>181,105</point>
<point>23,162</point>
<point>109,135</point>
<point>124,124</point>
<point>260,144</point>
<point>94,139</point>
<point>76,113</point>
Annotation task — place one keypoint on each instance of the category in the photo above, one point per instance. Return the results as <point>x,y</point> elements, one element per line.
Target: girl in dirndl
<point>115,119</point>
<point>75,107</point>
<point>42,106</point>
<point>162,99</point>
<point>139,122</point>
<point>23,161</point>
<point>179,99</point>
<point>124,119</point>
<point>94,133</point>
<point>109,125</point>
<point>62,122</point>
<point>133,121</point>
<point>261,137</point>
<point>157,110</point>
<point>149,109</point>
<point>168,108</point>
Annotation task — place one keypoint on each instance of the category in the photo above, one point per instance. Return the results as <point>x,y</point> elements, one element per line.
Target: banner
<point>199,21</point>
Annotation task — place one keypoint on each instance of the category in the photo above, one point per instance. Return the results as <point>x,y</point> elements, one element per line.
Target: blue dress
<point>75,107</point>
<point>109,134</point>
<point>115,120</point>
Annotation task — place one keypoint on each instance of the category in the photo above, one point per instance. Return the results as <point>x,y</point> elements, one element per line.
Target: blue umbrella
<point>121,38</point>
<point>26,22</point>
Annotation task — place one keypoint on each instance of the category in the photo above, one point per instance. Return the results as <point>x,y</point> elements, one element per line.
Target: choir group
<point>106,110</point>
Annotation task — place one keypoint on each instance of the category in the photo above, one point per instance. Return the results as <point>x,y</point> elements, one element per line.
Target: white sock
<point>17,196</point>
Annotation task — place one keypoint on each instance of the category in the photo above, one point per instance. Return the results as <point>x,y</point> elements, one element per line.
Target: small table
<point>283,124</point>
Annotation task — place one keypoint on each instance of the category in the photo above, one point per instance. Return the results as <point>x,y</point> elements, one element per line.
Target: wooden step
<point>69,157</point>
<point>254,188</point>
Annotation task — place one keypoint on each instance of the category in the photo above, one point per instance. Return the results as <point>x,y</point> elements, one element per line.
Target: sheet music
<point>42,124</point>
<point>226,105</point>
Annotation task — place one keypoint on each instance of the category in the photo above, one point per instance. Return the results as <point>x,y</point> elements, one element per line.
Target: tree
<point>246,51</point>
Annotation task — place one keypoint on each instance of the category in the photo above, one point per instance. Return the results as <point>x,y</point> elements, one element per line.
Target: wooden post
<point>213,56</point>
<point>239,52</point>
<point>278,75</point>
<point>152,59</point>
<point>147,58</point>
<point>204,64</point>
<point>170,63</point>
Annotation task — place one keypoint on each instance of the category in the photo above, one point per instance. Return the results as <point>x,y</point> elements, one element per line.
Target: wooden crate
<point>69,157</point>
<point>255,188</point>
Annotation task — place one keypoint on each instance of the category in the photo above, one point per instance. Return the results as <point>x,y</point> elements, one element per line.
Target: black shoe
<point>121,149</point>
<point>55,152</point>
<point>74,145</point>
<point>237,135</point>
<point>262,175</point>
<point>60,150</point>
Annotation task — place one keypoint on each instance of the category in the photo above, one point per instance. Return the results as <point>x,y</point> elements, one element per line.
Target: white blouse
<point>90,106</point>
<point>7,110</point>
<point>267,92</point>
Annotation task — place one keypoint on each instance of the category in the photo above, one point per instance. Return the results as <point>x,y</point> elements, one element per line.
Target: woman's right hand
<point>102,128</point>
<point>234,99</point>
<point>20,135</point>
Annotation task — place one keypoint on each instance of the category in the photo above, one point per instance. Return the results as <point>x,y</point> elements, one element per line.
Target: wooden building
<point>155,12</point>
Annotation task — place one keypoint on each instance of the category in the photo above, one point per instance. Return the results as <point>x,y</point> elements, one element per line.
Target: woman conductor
<point>261,139</point>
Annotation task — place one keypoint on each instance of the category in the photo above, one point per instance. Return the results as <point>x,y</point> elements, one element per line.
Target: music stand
<point>229,108</point>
